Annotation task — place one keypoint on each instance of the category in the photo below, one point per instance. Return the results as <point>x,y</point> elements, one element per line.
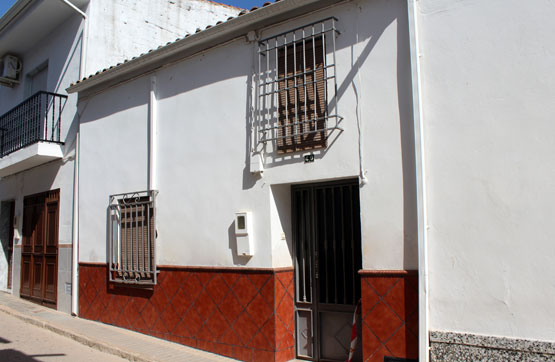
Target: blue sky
<point>247,4</point>
<point>5,5</point>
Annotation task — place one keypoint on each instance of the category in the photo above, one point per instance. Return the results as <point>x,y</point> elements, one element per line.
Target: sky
<point>247,4</point>
<point>5,5</point>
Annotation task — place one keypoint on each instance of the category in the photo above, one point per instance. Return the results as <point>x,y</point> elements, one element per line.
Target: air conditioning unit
<point>10,67</point>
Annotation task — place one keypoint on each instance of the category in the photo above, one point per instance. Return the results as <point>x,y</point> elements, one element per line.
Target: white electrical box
<point>243,233</point>
<point>256,163</point>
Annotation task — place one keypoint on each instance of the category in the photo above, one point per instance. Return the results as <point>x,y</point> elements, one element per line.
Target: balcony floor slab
<point>30,156</point>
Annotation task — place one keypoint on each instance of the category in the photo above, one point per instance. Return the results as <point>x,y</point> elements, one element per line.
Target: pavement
<point>24,342</point>
<point>119,342</point>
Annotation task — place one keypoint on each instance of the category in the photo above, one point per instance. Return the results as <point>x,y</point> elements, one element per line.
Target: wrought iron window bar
<point>270,85</point>
<point>37,119</point>
<point>132,237</point>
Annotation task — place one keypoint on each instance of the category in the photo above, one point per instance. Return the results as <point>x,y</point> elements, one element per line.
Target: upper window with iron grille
<point>132,236</point>
<point>296,88</point>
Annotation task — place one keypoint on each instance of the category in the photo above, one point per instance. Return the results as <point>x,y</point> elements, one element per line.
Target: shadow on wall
<point>114,100</point>
<point>40,178</point>
<point>281,195</point>
<point>71,137</point>
<point>382,17</point>
<point>5,224</point>
<point>69,52</point>
<point>404,94</point>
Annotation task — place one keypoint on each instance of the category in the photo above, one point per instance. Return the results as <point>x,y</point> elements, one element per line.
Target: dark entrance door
<point>326,229</point>
<point>39,254</point>
<point>6,235</point>
<point>10,244</point>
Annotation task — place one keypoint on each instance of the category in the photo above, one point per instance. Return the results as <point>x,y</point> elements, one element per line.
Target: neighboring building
<point>44,47</point>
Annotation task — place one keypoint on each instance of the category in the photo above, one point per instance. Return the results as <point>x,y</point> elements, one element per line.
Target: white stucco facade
<point>122,29</point>
<point>202,165</point>
<point>48,38</point>
<point>28,171</point>
<point>487,86</point>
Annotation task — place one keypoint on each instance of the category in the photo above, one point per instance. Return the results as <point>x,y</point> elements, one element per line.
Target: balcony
<point>30,133</point>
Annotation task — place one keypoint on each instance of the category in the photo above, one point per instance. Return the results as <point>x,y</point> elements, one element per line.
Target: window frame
<point>306,122</point>
<point>132,238</point>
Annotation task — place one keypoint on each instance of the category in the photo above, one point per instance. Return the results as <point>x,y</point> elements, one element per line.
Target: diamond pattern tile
<point>285,318</point>
<point>390,315</point>
<point>244,314</point>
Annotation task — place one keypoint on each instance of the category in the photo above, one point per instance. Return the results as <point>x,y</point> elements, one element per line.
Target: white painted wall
<point>5,242</point>
<point>203,173</point>
<point>488,90</point>
<point>61,49</point>
<point>122,29</point>
<point>118,30</point>
<point>113,160</point>
<point>51,176</point>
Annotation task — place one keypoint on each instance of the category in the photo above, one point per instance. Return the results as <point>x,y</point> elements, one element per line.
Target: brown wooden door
<point>39,254</point>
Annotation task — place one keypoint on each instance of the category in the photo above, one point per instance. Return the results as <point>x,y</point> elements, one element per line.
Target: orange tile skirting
<point>247,313</point>
<point>389,312</point>
<point>224,268</point>
<point>387,272</point>
<point>243,313</point>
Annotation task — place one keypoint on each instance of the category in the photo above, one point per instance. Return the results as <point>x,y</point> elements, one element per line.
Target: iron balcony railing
<point>37,119</point>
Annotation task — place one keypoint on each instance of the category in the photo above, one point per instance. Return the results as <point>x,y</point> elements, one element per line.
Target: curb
<point>87,341</point>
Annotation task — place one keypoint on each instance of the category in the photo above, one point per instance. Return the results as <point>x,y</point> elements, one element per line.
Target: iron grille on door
<point>132,235</point>
<point>296,87</point>
<point>328,256</point>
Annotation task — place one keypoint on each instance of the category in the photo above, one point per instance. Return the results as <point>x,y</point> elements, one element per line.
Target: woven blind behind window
<point>302,96</point>
<point>137,246</point>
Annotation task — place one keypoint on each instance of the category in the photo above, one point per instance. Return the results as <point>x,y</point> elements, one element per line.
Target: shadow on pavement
<point>12,355</point>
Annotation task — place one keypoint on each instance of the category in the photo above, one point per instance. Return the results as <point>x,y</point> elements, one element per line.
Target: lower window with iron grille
<point>132,236</point>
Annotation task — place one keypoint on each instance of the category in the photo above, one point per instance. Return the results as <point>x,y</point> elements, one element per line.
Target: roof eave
<point>197,42</point>
<point>13,13</point>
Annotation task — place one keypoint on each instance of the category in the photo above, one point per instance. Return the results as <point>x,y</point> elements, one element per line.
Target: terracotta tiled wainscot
<point>242,313</point>
<point>389,314</point>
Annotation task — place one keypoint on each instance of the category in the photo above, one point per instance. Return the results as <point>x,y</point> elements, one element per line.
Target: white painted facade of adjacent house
<point>48,37</point>
<point>122,29</point>
<point>447,109</point>
<point>488,89</point>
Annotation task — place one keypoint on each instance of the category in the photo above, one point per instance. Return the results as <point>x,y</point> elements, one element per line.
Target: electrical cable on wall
<point>362,173</point>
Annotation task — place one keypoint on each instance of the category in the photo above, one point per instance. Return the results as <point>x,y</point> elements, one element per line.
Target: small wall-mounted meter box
<point>243,233</point>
